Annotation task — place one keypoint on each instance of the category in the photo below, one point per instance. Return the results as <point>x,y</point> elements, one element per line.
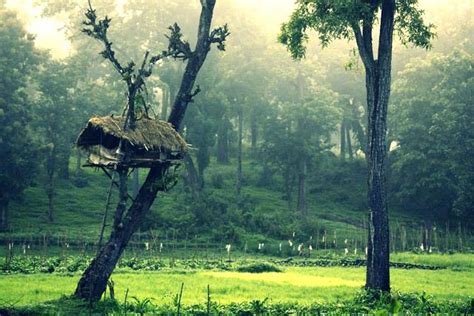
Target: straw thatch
<point>149,142</point>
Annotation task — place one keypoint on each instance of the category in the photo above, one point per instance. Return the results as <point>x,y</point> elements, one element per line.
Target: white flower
<point>310,248</point>
<point>346,251</point>
<point>300,247</point>
<point>290,243</point>
<point>227,247</point>
<point>147,246</point>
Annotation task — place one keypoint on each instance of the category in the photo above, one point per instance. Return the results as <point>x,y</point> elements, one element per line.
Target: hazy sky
<point>51,36</point>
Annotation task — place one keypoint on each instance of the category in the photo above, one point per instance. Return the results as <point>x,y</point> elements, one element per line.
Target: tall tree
<point>432,167</point>
<point>94,280</point>
<point>335,19</point>
<point>18,147</point>
<point>56,111</point>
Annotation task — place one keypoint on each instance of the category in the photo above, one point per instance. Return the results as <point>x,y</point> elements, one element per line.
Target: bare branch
<point>97,29</point>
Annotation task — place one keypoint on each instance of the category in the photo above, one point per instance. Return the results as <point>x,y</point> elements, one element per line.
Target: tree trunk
<point>239,154</point>
<point>4,220</point>
<point>93,282</point>
<point>192,177</point>
<point>135,182</point>
<point>301,204</point>
<point>50,171</point>
<point>254,132</point>
<point>427,234</point>
<point>378,81</point>
<point>223,141</point>
<point>164,103</point>
<point>349,142</point>
<point>288,186</point>
<point>343,140</point>
<point>63,168</point>
<point>94,279</point>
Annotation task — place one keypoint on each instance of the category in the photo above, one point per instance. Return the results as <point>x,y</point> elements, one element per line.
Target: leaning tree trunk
<point>93,282</point>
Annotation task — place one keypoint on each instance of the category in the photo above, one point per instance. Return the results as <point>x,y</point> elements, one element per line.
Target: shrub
<point>259,267</point>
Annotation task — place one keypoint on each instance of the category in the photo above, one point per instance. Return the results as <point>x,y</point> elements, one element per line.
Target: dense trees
<point>261,118</point>
<point>433,131</point>
<point>18,146</point>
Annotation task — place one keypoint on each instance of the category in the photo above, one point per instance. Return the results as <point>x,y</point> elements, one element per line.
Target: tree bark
<point>253,131</point>
<point>93,282</point>
<point>349,142</point>
<point>223,141</point>
<point>301,204</point>
<point>4,219</point>
<point>50,171</point>
<point>288,186</point>
<point>192,177</point>
<point>343,139</point>
<point>378,82</point>
<point>135,182</point>
<point>164,103</point>
<point>239,154</point>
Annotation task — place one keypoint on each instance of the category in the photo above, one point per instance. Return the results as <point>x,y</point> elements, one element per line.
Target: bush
<point>259,267</point>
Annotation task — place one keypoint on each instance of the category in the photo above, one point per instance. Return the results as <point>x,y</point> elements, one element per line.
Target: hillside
<point>261,215</point>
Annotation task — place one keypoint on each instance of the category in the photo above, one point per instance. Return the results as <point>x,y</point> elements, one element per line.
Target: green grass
<point>455,261</point>
<point>302,285</point>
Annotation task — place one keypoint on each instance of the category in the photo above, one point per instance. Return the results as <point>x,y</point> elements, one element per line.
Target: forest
<point>236,157</point>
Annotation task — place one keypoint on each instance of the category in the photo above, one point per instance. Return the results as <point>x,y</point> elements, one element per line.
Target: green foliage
<point>336,19</point>
<point>434,132</point>
<point>364,303</point>
<point>18,146</point>
<point>259,267</point>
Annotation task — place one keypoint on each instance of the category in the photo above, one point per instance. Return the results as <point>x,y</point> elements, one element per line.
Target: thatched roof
<point>148,135</point>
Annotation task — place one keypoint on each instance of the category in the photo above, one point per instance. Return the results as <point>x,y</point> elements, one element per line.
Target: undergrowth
<point>365,303</point>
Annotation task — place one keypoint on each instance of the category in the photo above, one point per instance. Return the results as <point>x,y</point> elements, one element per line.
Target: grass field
<point>302,285</point>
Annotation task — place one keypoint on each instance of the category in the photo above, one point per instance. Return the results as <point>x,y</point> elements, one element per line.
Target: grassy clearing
<point>293,285</point>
